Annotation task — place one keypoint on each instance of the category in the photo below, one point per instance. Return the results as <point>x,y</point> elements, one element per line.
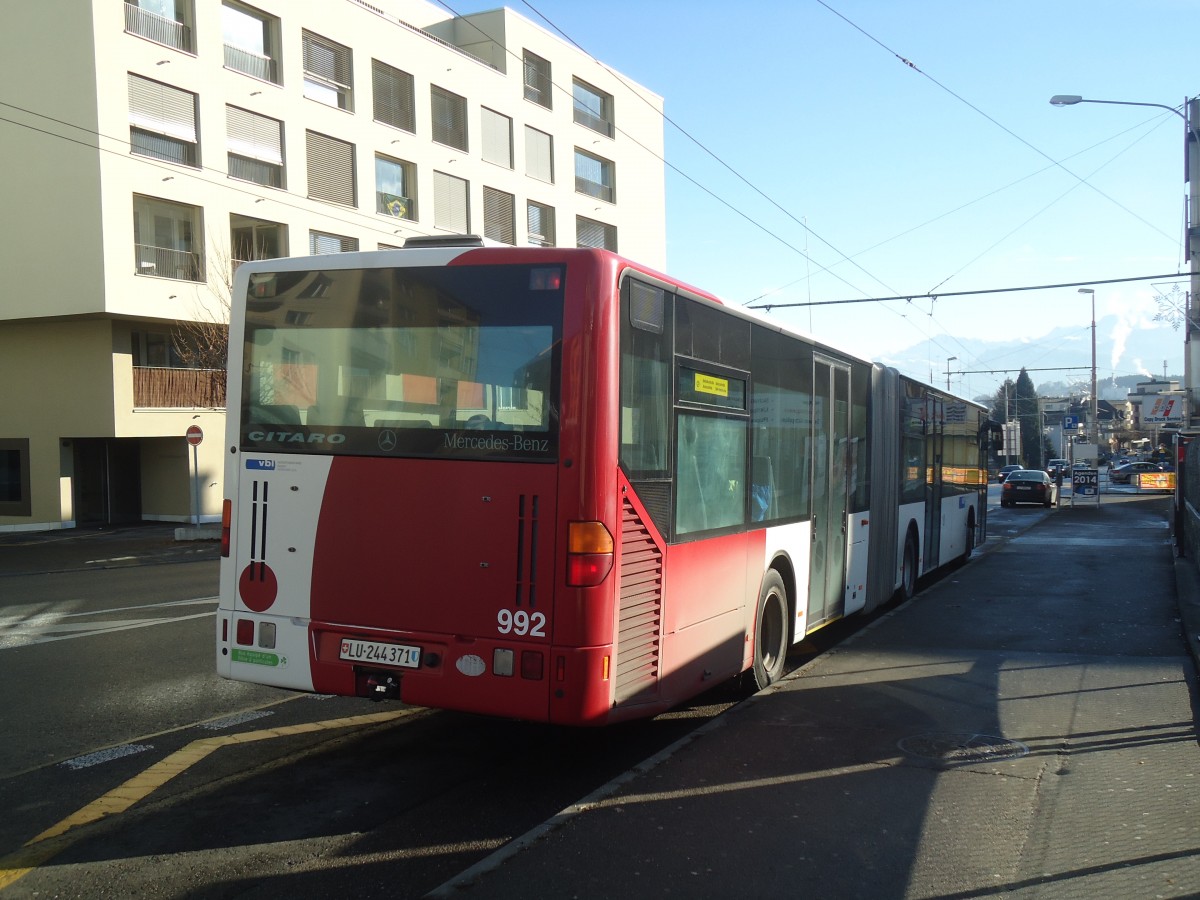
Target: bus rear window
<point>458,361</point>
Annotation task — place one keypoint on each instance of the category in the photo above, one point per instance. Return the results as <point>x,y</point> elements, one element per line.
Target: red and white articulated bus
<point>553,485</point>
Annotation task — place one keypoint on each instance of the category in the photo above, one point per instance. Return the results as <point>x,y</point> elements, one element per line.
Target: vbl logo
<point>260,464</point>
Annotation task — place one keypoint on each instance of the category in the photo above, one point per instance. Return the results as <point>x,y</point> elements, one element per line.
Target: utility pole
<point>1191,344</point>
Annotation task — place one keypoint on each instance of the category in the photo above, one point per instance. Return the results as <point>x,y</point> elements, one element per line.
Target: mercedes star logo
<point>387,441</point>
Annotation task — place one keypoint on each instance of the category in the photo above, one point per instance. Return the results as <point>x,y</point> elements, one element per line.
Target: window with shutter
<point>540,219</point>
<point>328,76</point>
<point>539,155</point>
<point>449,118</point>
<point>162,122</point>
<point>255,146</point>
<point>320,242</point>
<point>497,138</point>
<point>589,233</point>
<point>451,209</point>
<point>499,216</point>
<point>393,96</point>
<point>537,79</point>
<point>330,169</point>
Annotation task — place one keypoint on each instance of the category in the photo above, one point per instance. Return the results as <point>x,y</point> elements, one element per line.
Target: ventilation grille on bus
<point>527,547</point>
<point>656,498</point>
<point>639,639</point>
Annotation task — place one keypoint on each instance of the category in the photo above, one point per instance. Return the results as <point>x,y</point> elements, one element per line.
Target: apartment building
<point>150,146</point>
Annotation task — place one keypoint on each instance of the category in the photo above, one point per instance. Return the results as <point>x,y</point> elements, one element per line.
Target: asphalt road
<point>171,782</point>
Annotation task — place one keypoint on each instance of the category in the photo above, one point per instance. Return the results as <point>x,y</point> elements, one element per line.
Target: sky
<point>834,150</point>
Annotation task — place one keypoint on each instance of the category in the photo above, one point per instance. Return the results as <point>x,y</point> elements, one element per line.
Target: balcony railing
<point>165,263</point>
<point>157,28</point>
<point>589,119</point>
<point>250,63</point>
<point>593,188</point>
<point>164,388</point>
<point>255,170</point>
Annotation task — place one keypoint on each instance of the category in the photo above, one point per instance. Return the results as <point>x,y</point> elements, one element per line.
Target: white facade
<point>158,142</point>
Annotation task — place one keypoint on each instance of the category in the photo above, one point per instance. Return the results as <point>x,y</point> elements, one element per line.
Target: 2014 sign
<point>1085,482</point>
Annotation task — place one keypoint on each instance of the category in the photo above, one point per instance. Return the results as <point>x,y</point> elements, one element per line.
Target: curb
<point>198,533</point>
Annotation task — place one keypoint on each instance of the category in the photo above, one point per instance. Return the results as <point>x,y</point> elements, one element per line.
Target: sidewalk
<point>1023,728</point>
<point>38,552</point>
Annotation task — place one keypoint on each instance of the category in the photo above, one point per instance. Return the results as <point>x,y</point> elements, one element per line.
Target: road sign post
<point>194,435</point>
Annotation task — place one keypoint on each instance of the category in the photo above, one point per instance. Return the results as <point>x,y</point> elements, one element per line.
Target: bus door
<point>831,442</point>
<point>935,417</point>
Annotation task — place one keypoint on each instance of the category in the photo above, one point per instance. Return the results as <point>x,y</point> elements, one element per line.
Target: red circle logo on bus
<point>258,586</point>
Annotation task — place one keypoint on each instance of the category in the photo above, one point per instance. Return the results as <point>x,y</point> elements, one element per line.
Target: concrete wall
<point>56,388</point>
<point>50,236</point>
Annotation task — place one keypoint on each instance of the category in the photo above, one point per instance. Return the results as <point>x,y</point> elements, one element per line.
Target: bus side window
<point>691,513</point>
<point>646,422</point>
<point>762,490</point>
<point>711,468</point>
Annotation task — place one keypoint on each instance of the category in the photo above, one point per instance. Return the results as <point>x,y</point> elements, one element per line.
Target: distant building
<point>1157,404</point>
<point>156,144</point>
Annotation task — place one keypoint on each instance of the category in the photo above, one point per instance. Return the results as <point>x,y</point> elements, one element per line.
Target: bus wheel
<point>908,574</point>
<point>770,631</point>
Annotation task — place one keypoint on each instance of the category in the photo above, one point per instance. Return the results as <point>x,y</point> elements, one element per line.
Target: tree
<point>1017,401</point>
<point>1002,401</point>
<point>1002,408</point>
<point>1030,417</point>
<point>203,343</point>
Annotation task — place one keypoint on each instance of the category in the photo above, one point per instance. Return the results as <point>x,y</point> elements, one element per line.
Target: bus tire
<point>771,631</point>
<point>908,570</point>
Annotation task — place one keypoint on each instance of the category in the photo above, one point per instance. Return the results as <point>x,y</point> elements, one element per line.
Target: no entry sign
<point>195,434</point>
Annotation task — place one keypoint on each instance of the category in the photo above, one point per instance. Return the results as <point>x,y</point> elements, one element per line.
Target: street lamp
<point>949,359</point>
<point>1094,423</point>
<point>1191,367</point>
<point>1072,99</point>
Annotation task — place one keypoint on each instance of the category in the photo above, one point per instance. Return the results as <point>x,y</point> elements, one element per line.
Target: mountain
<point>1059,362</point>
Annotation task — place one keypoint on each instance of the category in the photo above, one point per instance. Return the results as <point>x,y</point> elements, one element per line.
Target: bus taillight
<point>589,553</point>
<point>226,518</point>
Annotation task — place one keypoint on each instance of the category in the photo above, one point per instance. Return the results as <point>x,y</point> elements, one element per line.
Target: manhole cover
<point>952,748</point>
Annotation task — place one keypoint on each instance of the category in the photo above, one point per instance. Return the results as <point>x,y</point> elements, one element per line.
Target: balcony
<point>158,29</point>
<point>163,388</point>
<point>166,263</point>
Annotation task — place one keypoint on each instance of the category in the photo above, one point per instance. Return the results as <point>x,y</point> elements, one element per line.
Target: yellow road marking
<point>55,839</point>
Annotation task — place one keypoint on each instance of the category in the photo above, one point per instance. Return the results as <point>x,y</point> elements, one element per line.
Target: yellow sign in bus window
<point>711,384</point>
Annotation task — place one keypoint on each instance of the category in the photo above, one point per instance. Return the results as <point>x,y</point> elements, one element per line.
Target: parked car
<point>1028,486</point>
<point>1124,474</point>
<point>1005,471</point>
